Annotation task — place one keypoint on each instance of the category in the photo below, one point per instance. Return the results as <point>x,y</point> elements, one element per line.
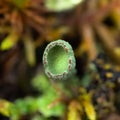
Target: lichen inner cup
<point>58,60</point>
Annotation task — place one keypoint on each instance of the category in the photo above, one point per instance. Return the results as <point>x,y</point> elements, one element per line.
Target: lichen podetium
<point>59,61</point>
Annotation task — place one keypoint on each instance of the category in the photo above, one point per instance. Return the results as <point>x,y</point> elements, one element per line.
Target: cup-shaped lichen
<point>58,60</point>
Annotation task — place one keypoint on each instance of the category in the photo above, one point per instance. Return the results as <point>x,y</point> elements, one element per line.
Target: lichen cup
<point>58,60</point>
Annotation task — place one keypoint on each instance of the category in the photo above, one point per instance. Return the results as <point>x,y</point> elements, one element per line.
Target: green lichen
<point>57,63</point>
<point>58,60</point>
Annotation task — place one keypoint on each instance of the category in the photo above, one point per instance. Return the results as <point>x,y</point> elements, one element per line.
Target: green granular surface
<point>57,60</point>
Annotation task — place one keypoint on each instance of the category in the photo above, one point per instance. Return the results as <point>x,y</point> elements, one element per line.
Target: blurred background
<point>92,27</point>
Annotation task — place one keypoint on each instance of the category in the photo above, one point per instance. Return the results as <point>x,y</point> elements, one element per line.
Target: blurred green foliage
<point>61,5</point>
<point>92,27</point>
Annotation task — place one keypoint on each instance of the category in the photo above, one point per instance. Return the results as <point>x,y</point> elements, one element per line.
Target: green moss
<point>20,3</point>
